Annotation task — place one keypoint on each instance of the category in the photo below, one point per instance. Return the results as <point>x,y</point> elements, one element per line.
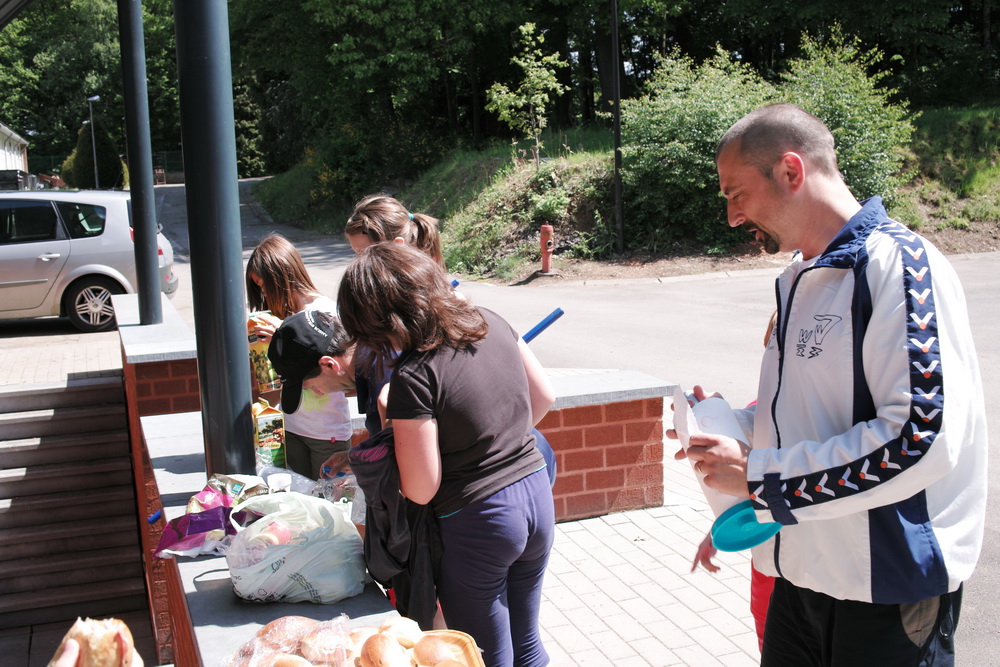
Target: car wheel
<point>88,303</point>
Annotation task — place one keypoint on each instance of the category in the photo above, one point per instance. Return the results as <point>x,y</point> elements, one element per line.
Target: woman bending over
<point>464,396</point>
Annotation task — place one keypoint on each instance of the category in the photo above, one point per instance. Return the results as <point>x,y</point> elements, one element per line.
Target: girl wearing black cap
<point>315,426</point>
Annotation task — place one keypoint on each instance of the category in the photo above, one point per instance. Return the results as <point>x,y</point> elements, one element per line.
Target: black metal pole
<point>140,159</point>
<point>208,136</point>
<point>93,139</point>
<point>616,83</point>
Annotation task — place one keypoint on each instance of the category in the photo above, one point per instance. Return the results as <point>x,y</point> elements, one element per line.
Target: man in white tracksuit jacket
<point>869,435</point>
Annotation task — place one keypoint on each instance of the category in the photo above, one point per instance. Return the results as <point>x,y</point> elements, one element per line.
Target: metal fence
<point>168,161</point>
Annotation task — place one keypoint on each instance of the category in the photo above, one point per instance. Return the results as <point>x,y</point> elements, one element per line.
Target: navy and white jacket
<point>869,434</point>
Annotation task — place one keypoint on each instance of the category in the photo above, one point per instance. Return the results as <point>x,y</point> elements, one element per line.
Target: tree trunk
<point>450,102</point>
<point>558,40</point>
<point>987,31</point>
<point>586,84</point>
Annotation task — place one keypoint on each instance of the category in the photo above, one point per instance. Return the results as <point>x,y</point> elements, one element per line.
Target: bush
<point>870,131</point>
<point>670,186</point>
<point>499,230</point>
<point>110,168</point>
<point>670,135</point>
<point>67,170</point>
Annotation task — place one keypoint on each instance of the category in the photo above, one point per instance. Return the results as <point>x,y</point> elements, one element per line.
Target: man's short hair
<point>769,132</point>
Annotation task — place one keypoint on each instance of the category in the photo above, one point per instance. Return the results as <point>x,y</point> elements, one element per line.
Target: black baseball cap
<point>295,350</point>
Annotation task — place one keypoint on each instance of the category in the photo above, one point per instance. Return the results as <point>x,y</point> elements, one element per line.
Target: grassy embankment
<point>491,203</point>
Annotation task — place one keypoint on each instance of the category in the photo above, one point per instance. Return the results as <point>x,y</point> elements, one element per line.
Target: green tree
<point>71,46</point>
<point>524,109</point>
<point>57,53</point>
<point>940,52</point>
<point>161,75</point>
<point>249,144</point>
<point>839,81</point>
<point>110,168</point>
<point>670,134</point>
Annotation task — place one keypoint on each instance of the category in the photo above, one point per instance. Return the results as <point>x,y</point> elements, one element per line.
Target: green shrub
<point>498,231</point>
<point>670,186</point>
<point>110,168</point>
<point>68,170</point>
<point>670,135</point>
<point>871,132</point>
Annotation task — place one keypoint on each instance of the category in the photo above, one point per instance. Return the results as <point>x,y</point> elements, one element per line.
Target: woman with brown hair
<point>378,218</point>
<point>464,395</point>
<point>315,426</point>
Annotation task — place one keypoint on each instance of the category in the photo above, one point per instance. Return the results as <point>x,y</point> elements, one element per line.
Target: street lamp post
<point>93,140</point>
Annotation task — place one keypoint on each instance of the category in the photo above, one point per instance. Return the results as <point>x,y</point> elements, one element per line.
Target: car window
<point>82,220</point>
<point>27,221</point>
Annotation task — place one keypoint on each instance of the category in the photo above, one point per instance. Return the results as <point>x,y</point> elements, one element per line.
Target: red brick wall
<point>157,388</point>
<point>609,457</point>
<point>166,387</point>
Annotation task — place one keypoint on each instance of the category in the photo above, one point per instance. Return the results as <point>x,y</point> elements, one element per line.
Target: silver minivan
<point>65,253</point>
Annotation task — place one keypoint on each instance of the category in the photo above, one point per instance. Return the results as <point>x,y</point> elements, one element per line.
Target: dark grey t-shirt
<point>480,399</point>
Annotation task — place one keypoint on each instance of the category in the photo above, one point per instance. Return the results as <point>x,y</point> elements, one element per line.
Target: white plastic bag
<point>300,483</point>
<point>303,549</point>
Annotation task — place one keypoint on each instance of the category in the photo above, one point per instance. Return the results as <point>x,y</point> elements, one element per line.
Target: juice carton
<point>264,375</point>
<point>268,435</point>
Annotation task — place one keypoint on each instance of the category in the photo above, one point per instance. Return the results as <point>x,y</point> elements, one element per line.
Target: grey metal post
<point>208,134</point>
<point>616,60</point>
<point>93,138</point>
<point>140,159</point>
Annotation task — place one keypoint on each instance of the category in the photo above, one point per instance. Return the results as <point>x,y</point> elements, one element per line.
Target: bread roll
<point>283,660</point>
<point>327,647</point>
<point>358,636</point>
<point>431,651</point>
<point>406,631</point>
<point>283,634</point>
<point>103,643</point>
<point>381,650</point>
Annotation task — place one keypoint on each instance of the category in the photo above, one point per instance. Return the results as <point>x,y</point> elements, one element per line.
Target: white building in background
<point>13,150</point>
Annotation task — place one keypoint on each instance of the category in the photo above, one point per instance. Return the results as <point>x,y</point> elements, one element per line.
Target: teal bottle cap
<point>737,529</point>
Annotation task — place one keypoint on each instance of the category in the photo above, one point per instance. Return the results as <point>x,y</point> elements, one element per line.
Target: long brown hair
<point>383,218</point>
<point>279,266</point>
<point>393,294</point>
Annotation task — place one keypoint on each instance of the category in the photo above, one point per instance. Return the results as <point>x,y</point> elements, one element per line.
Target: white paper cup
<point>279,481</point>
<point>713,415</point>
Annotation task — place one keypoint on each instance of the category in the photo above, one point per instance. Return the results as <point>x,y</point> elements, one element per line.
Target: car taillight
<point>131,233</point>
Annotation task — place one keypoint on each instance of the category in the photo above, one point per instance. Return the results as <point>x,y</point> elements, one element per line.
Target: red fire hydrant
<point>547,243</point>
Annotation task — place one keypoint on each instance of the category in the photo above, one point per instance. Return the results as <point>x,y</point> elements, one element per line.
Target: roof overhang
<point>9,9</point>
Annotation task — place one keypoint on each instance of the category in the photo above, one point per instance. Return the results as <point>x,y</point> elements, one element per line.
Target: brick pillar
<point>162,387</point>
<point>609,457</point>
<point>167,387</point>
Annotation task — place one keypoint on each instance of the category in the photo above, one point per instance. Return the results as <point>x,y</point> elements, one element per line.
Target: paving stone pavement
<point>619,589</point>
<point>39,360</point>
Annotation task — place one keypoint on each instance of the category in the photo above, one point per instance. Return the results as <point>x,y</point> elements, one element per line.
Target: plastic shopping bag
<point>302,549</point>
<point>206,527</point>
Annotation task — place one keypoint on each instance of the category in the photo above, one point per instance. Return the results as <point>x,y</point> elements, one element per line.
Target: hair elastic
<point>411,215</point>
